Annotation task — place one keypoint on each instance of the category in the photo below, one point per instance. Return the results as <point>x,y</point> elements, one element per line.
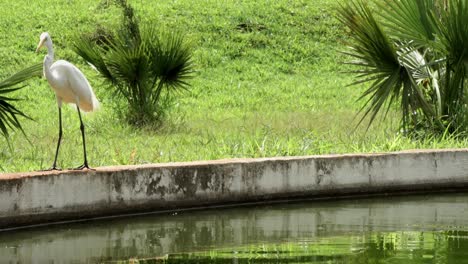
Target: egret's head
<point>44,38</point>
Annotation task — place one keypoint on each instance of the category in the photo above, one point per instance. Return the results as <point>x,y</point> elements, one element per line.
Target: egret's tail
<point>90,105</point>
<point>96,104</point>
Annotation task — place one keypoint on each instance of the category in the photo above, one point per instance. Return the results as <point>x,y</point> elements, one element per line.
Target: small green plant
<point>142,63</point>
<point>9,113</point>
<point>414,52</point>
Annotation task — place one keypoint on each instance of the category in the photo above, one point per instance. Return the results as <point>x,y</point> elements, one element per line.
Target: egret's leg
<point>54,166</point>
<point>85,164</point>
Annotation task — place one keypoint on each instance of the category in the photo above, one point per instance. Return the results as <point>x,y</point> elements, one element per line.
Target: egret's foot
<point>53,168</point>
<point>82,167</point>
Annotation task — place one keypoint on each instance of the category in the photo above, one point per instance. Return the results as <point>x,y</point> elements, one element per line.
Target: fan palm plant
<point>142,63</point>
<point>9,113</point>
<point>414,52</point>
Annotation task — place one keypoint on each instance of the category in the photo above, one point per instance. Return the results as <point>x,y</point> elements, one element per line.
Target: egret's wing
<point>78,84</point>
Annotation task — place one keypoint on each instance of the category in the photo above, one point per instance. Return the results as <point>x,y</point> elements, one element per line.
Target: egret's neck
<point>50,49</point>
<point>48,60</point>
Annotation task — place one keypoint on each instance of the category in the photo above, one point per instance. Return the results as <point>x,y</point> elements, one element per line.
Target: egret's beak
<point>39,46</point>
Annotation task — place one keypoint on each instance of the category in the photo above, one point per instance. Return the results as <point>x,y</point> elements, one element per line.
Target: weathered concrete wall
<point>55,196</point>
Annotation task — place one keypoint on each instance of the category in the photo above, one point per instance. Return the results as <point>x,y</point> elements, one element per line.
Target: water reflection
<point>418,229</point>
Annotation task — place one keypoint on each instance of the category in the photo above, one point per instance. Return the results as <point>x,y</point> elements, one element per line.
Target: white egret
<point>70,86</point>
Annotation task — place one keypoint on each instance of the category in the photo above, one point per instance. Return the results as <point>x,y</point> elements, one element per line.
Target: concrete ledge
<point>41,197</point>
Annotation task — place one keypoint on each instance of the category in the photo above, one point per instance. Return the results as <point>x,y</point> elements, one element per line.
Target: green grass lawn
<point>269,81</point>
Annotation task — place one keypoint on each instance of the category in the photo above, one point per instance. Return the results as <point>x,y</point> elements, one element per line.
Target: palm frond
<point>414,60</point>
<point>376,55</point>
<point>9,113</point>
<point>173,61</point>
<point>92,53</point>
<point>422,73</point>
<point>21,76</point>
<point>412,20</point>
<point>454,37</point>
<point>454,31</point>
<point>127,64</point>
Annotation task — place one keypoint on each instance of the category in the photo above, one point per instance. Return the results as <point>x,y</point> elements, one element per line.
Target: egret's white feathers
<point>68,82</point>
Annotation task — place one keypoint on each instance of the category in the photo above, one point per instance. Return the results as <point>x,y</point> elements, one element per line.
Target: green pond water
<point>411,229</point>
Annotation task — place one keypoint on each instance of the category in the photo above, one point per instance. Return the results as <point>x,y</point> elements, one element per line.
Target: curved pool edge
<point>45,197</point>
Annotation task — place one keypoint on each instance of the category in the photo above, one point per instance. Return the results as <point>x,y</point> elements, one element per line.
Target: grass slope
<point>268,82</point>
